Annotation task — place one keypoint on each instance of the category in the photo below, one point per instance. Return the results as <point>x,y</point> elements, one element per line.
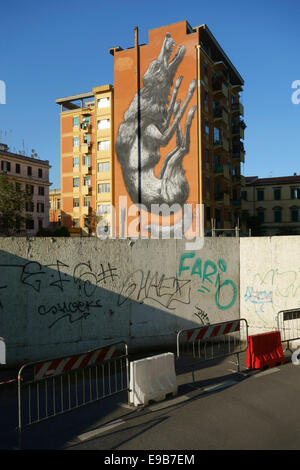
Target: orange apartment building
<point>183,65</point>
<point>86,122</point>
<point>175,134</point>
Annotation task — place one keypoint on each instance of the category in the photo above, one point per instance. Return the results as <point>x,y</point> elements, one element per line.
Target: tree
<point>12,205</point>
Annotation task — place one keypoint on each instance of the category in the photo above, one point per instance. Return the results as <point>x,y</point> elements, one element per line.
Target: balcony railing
<point>221,170</point>
<point>221,115</point>
<point>219,87</point>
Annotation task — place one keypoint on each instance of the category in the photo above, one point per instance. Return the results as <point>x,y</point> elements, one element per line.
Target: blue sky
<point>59,48</point>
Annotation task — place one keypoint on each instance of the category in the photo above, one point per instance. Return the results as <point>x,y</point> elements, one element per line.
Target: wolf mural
<point>154,108</point>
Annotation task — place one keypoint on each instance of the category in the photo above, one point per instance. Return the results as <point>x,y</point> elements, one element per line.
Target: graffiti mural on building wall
<point>209,274</point>
<point>149,124</point>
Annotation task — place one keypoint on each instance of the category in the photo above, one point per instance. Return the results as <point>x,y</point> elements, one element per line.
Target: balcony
<point>85,147</point>
<point>86,127</point>
<point>85,210</point>
<point>221,170</point>
<point>222,197</point>
<point>237,108</point>
<point>238,129</point>
<point>238,152</point>
<point>85,190</point>
<point>236,202</point>
<point>221,116</point>
<point>239,179</point>
<point>219,88</point>
<point>221,145</point>
<point>86,170</point>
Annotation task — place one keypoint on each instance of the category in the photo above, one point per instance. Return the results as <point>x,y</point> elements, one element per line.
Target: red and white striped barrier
<point>212,331</point>
<point>59,366</point>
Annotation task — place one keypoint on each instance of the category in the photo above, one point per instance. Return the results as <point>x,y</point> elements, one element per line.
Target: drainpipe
<point>137,74</point>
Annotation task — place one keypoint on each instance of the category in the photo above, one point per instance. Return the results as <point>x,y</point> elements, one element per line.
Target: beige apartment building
<point>33,176</point>
<point>276,203</point>
<point>86,159</point>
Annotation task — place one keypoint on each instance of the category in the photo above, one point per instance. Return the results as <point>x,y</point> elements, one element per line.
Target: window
<point>40,207</point>
<point>208,213</point>
<point>207,155</point>
<point>75,182</point>
<point>75,141</point>
<point>207,185</point>
<point>86,119</point>
<point>76,202</point>
<point>294,215</point>
<point>5,166</point>
<point>261,216</point>
<point>244,195</point>
<point>76,223</point>
<point>277,215</point>
<point>87,181</point>
<point>295,193</point>
<point>29,171</point>
<point>29,206</point>
<point>104,145</point>
<point>41,191</point>
<point>40,223</point>
<point>87,160</point>
<point>104,124</point>
<point>205,68</point>
<point>217,135</point>
<point>87,139</point>
<point>30,224</point>
<point>103,209</point>
<point>87,202</point>
<point>260,195</point>
<point>58,204</point>
<point>104,188</point>
<point>277,194</point>
<point>206,98</point>
<point>207,127</point>
<point>103,167</point>
<point>75,162</point>
<point>29,188</point>
<point>18,168</point>
<point>40,173</point>
<point>103,102</point>
<point>76,122</point>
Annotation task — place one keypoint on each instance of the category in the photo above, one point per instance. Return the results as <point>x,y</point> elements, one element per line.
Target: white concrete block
<point>2,351</point>
<point>152,378</point>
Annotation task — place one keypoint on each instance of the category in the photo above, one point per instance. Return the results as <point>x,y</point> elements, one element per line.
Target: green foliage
<point>12,204</point>
<point>59,232</point>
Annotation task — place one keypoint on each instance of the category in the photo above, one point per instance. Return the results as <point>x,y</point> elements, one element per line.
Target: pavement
<point>221,410</point>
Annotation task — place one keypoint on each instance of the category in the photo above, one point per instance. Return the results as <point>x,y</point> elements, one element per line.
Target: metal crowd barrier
<point>214,341</point>
<point>288,323</point>
<point>50,388</point>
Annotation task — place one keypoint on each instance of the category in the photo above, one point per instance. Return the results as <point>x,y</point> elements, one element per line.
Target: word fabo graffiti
<point>209,274</point>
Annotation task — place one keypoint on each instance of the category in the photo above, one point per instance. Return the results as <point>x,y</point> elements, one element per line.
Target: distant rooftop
<point>4,151</point>
<point>256,181</point>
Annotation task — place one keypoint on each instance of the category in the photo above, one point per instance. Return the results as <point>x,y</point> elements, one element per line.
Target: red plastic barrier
<point>264,350</point>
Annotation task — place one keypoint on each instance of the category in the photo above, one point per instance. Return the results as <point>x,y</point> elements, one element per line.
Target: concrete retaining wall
<point>63,296</point>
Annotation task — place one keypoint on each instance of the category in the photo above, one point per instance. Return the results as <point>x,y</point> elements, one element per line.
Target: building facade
<point>86,122</point>
<point>32,175</point>
<point>179,125</point>
<point>55,207</point>
<point>275,202</point>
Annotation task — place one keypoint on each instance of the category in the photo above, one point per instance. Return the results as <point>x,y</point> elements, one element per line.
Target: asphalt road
<point>221,411</point>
